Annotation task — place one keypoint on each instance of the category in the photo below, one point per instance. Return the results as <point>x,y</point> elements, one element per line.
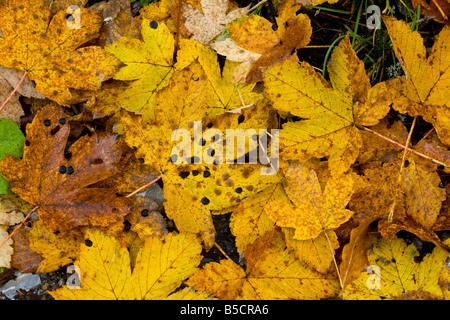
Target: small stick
<point>20,225</point>
<point>400,175</point>
<point>14,91</point>
<point>222,251</point>
<point>143,187</point>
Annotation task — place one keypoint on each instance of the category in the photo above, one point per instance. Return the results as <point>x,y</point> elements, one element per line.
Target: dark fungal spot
<point>119,194</point>
<point>241,119</point>
<point>206,174</point>
<point>141,160</point>
<point>202,142</point>
<point>211,152</point>
<point>209,125</point>
<point>70,170</point>
<point>194,159</point>
<point>441,185</point>
<point>47,123</point>
<point>29,224</point>
<point>62,121</point>
<point>62,169</point>
<point>55,130</point>
<point>126,225</point>
<point>67,154</point>
<point>184,174</point>
<point>441,167</point>
<point>195,172</point>
<point>238,190</point>
<point>144,213</point>
<point>406,164</point>
<point>56,232</point>
<point>27,143</point>
<point>70,17</point>
<point>153,24</point>
<point>88,242</point>
<point>204,201</point>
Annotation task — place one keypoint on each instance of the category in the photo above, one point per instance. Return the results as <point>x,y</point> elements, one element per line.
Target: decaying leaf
<point>56,180</point>
<point>5,251</point>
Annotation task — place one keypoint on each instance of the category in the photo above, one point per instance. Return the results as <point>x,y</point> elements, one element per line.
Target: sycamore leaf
<point>424,91</point>
<point>423,195</point>
<point>190,191</point>
<point>438,9</point>
<point>272,273</point>
<point>56,181</point>
<point>311,210</point>
<point>223,94</point>
<point>6,251</point>
<point>12,209</point>
<point>56,249</point>
<point>13,109</point>
<point>47,48</point>
<point>399,271</point>
<point>209,24</point>
<point>331,113</point>
<point>148,64</point>
<point>161,266</point>
<point>317,252</point>
<point>10,144</point>
<point>255,34</point>
<point>249,221</point>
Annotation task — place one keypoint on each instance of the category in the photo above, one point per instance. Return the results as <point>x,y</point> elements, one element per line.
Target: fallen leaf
<point>311,210</point>
<point>10,144</point>
<point>424,91</point>
<point>12,209</point>
<point>399,271</point>
<point>57,181</point>
<point>331,113</point>
<point>209,24</point>
<point>161,266</point>
<point>148,64</point>
<point>6,251</point>
<point>45,47</point>
<point>271,274</point>
<point>438,9</point>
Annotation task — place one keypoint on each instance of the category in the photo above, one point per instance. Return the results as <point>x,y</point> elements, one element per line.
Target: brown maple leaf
<point>57,181</point>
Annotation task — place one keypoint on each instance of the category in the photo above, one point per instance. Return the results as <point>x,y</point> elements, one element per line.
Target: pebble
<point>23,281</point>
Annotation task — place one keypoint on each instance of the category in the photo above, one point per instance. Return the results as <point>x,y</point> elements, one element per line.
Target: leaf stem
<point>18,227</point>
<point>14,91</point>
<point>143,187</point>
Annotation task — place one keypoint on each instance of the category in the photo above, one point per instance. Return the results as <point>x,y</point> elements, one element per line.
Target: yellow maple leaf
<point>223,94</point>
<point>272,273</point>
<point>161,266</point>
<point>148,64</point>
<point>47,48</point>
<point>394,271</point>
<point>331,113</point>
<point>306,208</point>
<point>424,92</point>
<point>57,250</point>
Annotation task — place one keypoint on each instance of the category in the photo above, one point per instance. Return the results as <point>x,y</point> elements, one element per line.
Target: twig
<point>14,91</point>
<point>222,251</point>
<point>404,147</point>
<point>20,225</point>
<point>143,187</point>
<point>400,175</point>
